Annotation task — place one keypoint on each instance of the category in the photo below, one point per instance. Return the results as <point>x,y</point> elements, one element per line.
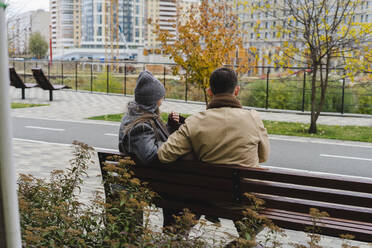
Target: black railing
<point>261,86</point>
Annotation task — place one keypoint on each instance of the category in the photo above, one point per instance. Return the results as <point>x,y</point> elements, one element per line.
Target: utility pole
<point>10,235</point>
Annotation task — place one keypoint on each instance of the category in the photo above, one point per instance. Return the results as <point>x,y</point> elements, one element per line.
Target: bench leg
<point>23,93</point>
<point>50,95</point>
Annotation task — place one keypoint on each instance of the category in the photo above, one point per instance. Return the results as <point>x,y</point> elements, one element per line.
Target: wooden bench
<point>18,83</point>
<point>45,84</point>
<point>288,193</point>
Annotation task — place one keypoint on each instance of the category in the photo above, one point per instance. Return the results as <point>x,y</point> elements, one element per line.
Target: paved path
<point>39,158</point>
<point>70,105</point>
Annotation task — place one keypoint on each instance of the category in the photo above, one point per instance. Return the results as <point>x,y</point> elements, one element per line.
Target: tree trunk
<point>313,118</point>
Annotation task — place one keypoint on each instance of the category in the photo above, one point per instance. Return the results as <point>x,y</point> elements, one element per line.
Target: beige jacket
<point>220,136</point>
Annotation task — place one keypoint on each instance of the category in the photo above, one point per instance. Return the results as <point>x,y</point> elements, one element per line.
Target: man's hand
<point>175,117</point>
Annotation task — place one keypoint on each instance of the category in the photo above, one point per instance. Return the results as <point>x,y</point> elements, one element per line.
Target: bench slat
<point>303,206</point>
<point>147,174</point>
<point>306,192</point>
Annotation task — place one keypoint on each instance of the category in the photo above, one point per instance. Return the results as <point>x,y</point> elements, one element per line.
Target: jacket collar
<point>224,100</point>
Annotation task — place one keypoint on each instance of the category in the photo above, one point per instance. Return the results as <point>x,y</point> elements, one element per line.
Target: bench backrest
<point>15,80</point>
<point>41,80</point>
<point>195,185</point>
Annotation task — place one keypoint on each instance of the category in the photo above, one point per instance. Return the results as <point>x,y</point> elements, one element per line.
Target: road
<point>348,158</point>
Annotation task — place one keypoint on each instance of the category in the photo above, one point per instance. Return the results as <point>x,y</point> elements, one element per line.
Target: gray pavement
<point>70,105</point>
<point>40,157</point>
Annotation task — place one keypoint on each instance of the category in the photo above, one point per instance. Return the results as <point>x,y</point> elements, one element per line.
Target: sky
<point>27,5</point>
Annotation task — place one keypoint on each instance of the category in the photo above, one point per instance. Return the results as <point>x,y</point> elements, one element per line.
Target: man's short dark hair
<point>223,80</point>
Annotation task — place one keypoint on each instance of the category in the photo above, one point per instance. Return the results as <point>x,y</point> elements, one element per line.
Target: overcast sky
<point>27,5</point>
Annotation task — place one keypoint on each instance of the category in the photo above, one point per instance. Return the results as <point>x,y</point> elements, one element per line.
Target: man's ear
<point>209,92</point>
<point>236,91</point>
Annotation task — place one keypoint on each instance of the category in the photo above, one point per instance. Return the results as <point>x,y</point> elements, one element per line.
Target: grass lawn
<point>16,105</point>
<point>353,133</point>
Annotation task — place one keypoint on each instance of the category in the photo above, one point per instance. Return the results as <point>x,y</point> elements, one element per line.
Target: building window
<point>137,10</point>
<point>137,21</point>
<point>99,31</point>
<point>252,35</point>
<point>266,35</point>
<point>99,7</point>
<point>100,19</point>
<point>137,32</point>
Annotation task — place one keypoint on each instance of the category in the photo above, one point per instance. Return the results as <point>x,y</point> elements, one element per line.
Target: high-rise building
<point>166,13</point>
<point>99,19</point>
<point>65,18</point>
<point>20,28</point>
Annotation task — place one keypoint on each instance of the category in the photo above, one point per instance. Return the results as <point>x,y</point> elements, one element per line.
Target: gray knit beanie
<point>148,89</point>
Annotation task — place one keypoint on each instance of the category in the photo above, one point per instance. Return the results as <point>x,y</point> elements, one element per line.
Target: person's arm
<point>177,145</point>
<point>264,144</point>
<point>142,142</point>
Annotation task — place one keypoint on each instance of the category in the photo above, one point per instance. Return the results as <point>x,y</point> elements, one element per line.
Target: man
<point>223,134</point>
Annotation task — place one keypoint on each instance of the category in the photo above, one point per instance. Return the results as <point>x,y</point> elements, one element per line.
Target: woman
<point>142,131</point>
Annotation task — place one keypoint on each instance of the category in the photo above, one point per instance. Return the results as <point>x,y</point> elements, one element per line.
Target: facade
<point>266,39</point>
<point>167,13</point>
<point>21,27</point>
<point>100,19</point>
<point>65,18</point>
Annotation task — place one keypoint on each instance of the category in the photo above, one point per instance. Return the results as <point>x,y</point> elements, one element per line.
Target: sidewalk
<point>71,105</point>
<point>35,157</point>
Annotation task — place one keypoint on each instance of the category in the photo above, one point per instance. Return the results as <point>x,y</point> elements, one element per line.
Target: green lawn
<point>16,105</point>
<point>354,133</point>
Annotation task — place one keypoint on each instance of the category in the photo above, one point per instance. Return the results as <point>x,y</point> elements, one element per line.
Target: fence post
<point>267,88</point>
<point>49,71</point>
<point>186,89</point>
<point>125,79</point>
<point>62,70</point>
<point>108,75</point>
<point>24,71</point>
<point>91,77</point>
<point>343,94</point>
<point>76,83</point>
<point>303,91</point>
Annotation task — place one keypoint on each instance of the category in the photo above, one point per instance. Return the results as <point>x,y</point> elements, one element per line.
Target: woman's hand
<point>175,117</point>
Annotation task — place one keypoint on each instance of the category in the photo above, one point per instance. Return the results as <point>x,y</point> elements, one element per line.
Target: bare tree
<point>319,34</point>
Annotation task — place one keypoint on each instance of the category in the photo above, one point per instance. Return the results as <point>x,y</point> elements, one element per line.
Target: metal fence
<point>262,87</point>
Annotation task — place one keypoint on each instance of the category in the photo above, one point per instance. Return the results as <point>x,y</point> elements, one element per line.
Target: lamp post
<point>9,217</point>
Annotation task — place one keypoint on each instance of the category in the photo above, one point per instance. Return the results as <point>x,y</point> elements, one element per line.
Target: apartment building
<point>100,20</point>
<point>259,29</point>
<point>20,28</point>
<point>65,18</point>
<point>166,13</point>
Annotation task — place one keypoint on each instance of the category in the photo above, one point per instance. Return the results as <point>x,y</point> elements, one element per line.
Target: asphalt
<point>331,156</point>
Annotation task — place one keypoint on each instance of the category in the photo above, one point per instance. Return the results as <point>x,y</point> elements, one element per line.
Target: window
<point>361,18</point>
<point>266,24</point>
<point>274,24</point>
<point>137,21</point>
<point>99,31</point>
<point>99,7</point>
<point>252,35</point>
<point>137,32</point>
<point>137,10</point>
<point>274,35</point>
<point>100,19</point>
<point>266,35</point>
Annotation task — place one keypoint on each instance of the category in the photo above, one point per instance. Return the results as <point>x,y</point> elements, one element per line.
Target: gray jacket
<point>141,140</point>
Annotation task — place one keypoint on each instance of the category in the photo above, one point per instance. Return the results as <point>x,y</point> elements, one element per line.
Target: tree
<point>205,37</point>
<point>319,34</point>
<point>37,45</point>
